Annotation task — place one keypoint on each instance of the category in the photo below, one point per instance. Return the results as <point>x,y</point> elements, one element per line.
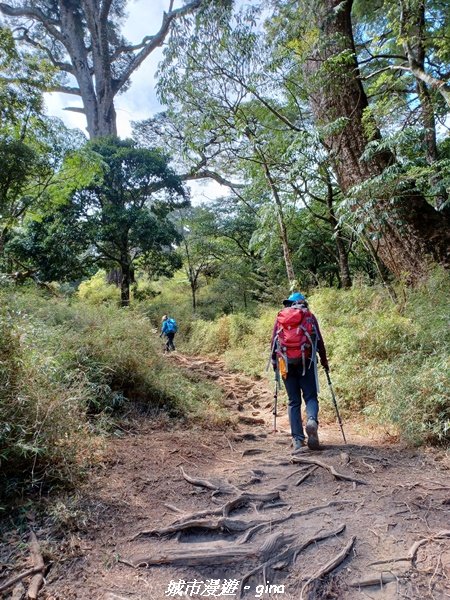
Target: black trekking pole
<point>335,404</point>
<point>275,401</point>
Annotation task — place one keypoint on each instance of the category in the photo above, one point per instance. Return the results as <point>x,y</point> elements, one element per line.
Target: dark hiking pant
<point>298,385</point>
<point>169,343</point>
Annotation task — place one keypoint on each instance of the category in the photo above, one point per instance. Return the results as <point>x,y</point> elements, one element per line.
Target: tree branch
<point>66,67</point>
<point>207,174</point>
<point>156,40</point>
<point>35,14</point>
<point>64,89</point>
<point>437,84</point>
<point>77,109</point>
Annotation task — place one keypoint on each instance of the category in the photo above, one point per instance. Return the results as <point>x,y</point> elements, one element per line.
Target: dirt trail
<point>200,514</point>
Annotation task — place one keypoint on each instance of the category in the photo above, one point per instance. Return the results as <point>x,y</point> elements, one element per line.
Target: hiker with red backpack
<point>296,340</point>
<point>168,328</point>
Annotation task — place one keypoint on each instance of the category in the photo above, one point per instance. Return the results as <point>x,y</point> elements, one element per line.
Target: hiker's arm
<point>321,348</point>
<point>272,345</point>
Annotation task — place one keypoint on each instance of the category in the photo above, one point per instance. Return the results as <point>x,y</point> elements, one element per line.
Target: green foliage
<point>65,371</point>
<point>43,436</point>
<point>97,290</point>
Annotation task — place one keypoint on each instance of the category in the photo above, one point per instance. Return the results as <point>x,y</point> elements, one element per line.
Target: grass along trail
<point>231,513</point>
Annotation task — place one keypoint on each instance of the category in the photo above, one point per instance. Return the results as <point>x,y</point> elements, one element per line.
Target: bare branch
<point>31,12</point>
<point>64,89</point>
<point>156,40</point>
<point>437,84</point>
<point>67,67</point>
<point>207,174</point>
<point>77,109</point>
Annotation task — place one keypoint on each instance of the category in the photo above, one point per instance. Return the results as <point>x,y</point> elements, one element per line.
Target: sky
<point>140,100</point>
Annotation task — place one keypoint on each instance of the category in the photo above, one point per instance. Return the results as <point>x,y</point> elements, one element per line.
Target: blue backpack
<point>171,326</point>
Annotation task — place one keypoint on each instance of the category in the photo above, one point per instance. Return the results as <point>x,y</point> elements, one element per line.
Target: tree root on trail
<point>9,583</point>
<point>231,525</point>
<point>38,561</point>
<point>412,552</point>
<point>251,420</point>
<point>218,488</point>
<point>243,499</point>
<point>383,578</point>
<point>214,553</point>
<point>268,551</point>
<point>306,475</point>
<point>37,571</point>
<point>330,468</point>
<point>296,472</point>
<point>253,451</point>
<point>283,559</point>
<point>308,590</point>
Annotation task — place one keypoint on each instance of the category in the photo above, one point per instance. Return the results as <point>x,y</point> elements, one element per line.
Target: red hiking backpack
<point>296,335</point>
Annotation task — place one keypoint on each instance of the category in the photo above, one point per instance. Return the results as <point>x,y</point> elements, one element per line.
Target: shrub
<point>61,364</point>
<point>97,290</point>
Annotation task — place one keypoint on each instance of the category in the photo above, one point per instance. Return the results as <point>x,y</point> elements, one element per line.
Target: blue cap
<point>296,297</point>
<point>293,298</point>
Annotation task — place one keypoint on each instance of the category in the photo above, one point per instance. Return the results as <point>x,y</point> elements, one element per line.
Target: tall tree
<point>125,210</point>
<point>196,246</point>
<point>408,229</point>
<point>82,40</point>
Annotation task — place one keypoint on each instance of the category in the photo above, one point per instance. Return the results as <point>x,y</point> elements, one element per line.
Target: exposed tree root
<point>412,552</point>
<point>214,553</point>
<point>11,582</point>
<point>296,472</point>
<point>229,525</point>
<point>288,556</point>
<point>330,468</point>
<point>243,499</point>
<point>38,561</point>
<point>222,524</point>
<point>252,452</point>
<point>269,552</point>
<point>306,475</point>
<point>18,592</point>
<point>251,420</point>
<point>308,591</point>
<point>379,580</point>
<point>218,488</point>
<point>173,508</point>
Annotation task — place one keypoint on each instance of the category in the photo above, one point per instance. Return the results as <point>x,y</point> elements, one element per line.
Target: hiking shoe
<point>298,444</point>
<point>313,438</point>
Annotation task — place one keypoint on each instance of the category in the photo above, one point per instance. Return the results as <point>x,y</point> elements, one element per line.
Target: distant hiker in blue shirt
<point>169,328</point>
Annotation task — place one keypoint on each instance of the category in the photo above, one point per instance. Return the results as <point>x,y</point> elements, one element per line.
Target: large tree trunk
<point>409,229</point>
<point>412,31</point>
<point>125,283</point>
<point>98,99</point>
